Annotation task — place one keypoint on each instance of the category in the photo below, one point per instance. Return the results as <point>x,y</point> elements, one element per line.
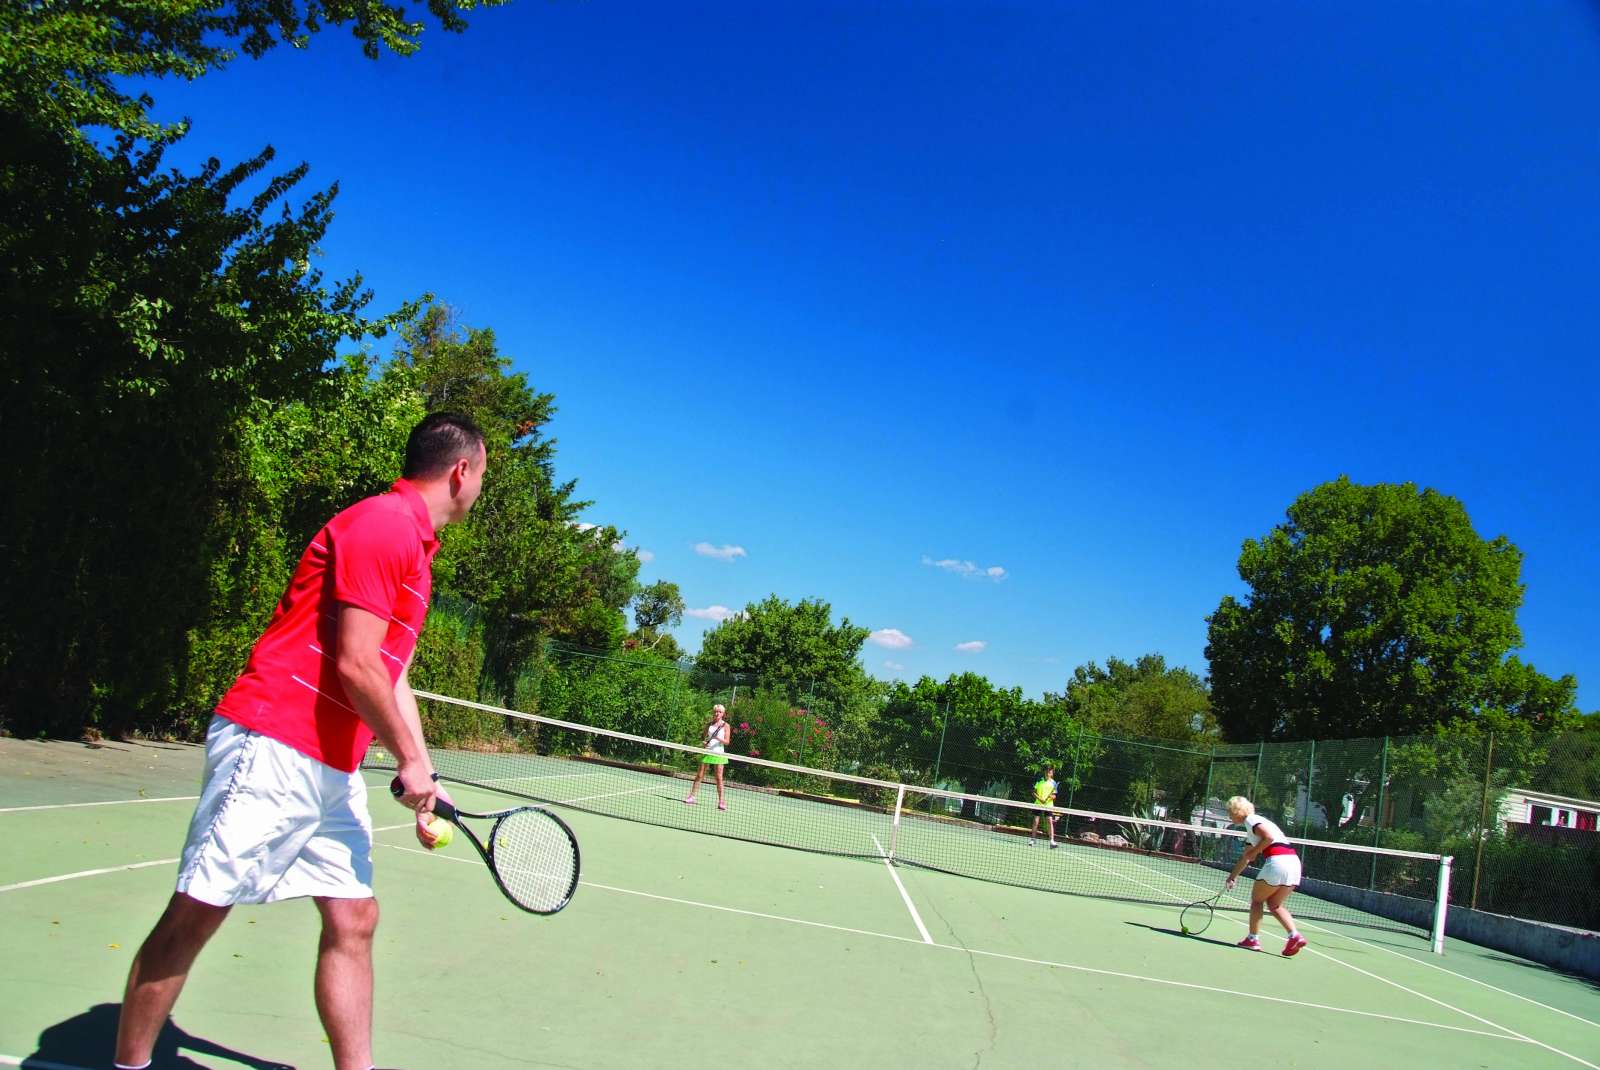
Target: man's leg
<point>344,978</point>
<point>159,971</point>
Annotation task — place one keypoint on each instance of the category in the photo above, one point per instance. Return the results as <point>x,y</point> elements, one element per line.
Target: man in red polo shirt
<point>283,807</point>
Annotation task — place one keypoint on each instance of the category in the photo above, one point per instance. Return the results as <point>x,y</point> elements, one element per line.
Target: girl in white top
<point>1277,879</point>
<point>718,734</point>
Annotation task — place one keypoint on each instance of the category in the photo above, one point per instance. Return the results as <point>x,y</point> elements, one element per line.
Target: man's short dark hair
<point>438,442</point>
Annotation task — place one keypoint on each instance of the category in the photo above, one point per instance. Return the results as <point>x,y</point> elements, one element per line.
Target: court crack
<point>983,993</point>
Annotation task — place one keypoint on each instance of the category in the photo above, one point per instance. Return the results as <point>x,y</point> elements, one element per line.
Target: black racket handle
<point>440,806</point>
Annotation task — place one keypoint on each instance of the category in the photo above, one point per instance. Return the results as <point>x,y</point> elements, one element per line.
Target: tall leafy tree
<point>144,313</point>
<point>796,647</point>
<point>1372,610</point>
<point>522,556</point>
<point>1139,698</point>
<point>657,607</point>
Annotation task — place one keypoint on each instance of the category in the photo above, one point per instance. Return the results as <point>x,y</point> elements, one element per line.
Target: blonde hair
<point>718,708</point>
<point>1240,805</point>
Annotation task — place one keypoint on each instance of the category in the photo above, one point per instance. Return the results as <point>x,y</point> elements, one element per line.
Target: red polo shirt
<point>376,555</point>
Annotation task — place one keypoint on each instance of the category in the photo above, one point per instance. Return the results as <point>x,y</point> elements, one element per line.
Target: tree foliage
<point>1372,610</point>
<point>795,645</point>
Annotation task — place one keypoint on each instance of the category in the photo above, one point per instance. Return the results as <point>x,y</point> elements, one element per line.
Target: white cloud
<point>716,613</point>
<point>584,525</point>
<point>644,556</point>
<point>721,553</point>
<point>894,666</point>
<point>977,646</point>
<point>966,569</point>
<point>893,638</point>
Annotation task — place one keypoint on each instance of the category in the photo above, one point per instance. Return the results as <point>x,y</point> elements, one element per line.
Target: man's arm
<point>378,703</point>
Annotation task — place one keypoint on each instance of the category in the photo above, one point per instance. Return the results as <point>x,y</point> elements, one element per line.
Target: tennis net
<point>1141,859</point>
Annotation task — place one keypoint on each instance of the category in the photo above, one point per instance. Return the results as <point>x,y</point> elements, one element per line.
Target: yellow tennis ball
<point>442,830</point>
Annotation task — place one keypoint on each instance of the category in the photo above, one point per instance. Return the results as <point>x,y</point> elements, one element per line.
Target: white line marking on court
<point>111,802</point>
<point>1435,966</point>
<point>1226,992</point>
<point>86,873</point>
<point>1378,977</point>
<point>904,895</point>
<point>41,1064</point>
<point>123,869</point>
<point>608,795</point>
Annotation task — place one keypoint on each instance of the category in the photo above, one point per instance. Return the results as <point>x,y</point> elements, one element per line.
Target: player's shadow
<point>1180,934</point>
<point>88,1040</point>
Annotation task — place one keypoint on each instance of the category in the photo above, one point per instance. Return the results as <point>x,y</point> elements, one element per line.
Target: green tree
<point>76,63</point>
<point>144,314</point>
<point>792,647</point>
<point>657,607</point>
<point>1148,731</point>
<point>522,556</point>
<point>969,732</point>
<point>1142,698</point>
<point>1372,610</point>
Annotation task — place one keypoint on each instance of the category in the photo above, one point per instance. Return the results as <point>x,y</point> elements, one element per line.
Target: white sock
<point>126,1066</point>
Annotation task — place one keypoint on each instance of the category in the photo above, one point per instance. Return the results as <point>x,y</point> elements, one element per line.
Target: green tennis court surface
<point>682,947</point>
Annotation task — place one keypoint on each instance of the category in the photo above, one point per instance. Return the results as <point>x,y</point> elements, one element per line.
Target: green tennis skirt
<point>713,759</point>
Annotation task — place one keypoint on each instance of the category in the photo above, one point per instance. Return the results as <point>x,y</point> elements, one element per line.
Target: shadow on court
<point>87,1040</point>
<point>1181,935</point>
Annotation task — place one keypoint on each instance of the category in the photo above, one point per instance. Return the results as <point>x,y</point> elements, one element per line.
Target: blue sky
<point>1086,293</point>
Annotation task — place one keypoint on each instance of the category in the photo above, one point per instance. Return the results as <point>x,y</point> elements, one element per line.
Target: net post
<point>1311,780</point>
<point>1441,904</point>
<point>894,828</point>
<point>1377,820</point>
<point>1483,821</point>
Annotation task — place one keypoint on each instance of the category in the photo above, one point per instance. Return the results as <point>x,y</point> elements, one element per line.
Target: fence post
<point>939,758</point>
<point>674,704</point>
<point>1072,785</point>
<point>1377,819</point>
<point>1255,784</point>
<point>1205,800</point>
<point>1311,778</point>
<point>1483,819</point>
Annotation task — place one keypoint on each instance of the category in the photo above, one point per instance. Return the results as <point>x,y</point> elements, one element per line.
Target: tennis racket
<point>1196,917</point>
<point>531,853</point>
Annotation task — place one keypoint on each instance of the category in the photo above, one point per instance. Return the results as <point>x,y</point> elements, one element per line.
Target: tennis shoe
<point>1249,943</point>
<point>1293,946</point>
<point>689,801</point>
<point>1054,845</point>
<point>722,806</point>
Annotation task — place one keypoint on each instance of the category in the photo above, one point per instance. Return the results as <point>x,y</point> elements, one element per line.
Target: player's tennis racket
<point>1196,917</point>
<point>531,852</point>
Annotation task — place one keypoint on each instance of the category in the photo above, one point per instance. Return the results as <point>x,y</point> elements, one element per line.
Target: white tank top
<point>714,737</point>
<point>1255,823</point>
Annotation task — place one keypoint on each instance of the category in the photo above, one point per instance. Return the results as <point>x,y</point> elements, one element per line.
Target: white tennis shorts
<point>274,824</point>
<point>1283,870</point>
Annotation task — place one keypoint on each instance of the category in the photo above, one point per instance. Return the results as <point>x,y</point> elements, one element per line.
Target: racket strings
<point>535,860</point>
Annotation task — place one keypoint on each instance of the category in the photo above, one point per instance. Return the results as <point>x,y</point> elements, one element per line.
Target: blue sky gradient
<point>1084,292</point>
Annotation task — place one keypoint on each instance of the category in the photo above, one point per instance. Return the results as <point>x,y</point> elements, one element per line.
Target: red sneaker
<point>1292,948</point>
<point>1249,943</point>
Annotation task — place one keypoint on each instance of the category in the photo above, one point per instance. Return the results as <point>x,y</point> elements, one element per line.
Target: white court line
<point>112,802</point>
<point>1377,977</point>
<point>40,1064</point>
<point>86,873</point>
<point>1452,973</point>
<point>1410,958</point>
<point>1226,992</point>
<point>123,869</point>
<point>607,795</point>
<point>906,896</point>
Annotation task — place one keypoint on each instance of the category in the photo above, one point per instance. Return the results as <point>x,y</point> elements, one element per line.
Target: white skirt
<point>1282,870</point>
